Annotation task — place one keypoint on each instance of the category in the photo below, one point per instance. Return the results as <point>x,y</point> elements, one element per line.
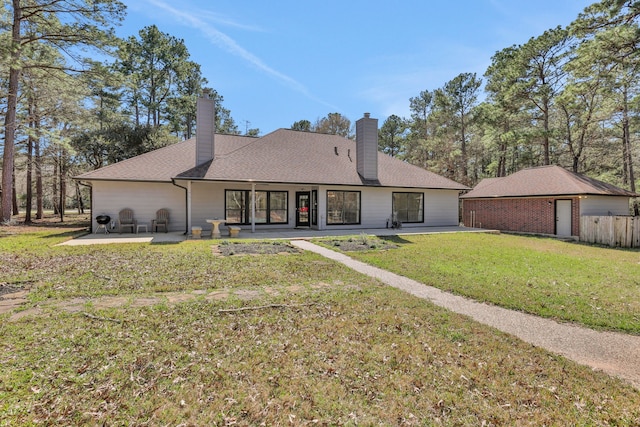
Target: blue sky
<point>280,61</point>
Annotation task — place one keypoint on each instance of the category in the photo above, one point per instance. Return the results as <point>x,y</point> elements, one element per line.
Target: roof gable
<point>544,181</point>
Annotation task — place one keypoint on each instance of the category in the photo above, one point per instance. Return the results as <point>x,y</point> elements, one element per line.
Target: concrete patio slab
<point>286,234</point>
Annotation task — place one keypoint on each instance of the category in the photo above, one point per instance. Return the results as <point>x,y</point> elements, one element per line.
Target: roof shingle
<point>283,156</point>
<point>544,181</point>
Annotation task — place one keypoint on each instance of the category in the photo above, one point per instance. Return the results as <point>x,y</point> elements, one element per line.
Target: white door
<point>563,217</point>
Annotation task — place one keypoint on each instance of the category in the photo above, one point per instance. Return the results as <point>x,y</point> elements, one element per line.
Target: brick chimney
<point>205,129</point>
<point>367,147</point>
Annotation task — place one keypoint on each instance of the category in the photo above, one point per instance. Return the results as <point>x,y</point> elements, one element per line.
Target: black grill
<point>103,219</point>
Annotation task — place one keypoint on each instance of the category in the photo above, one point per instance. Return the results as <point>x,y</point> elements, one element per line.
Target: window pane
<point>343,207</point>
<point>278,200</point>
<point>278,216</point>
<point>261,200</point>
<point>334,207</point>
<point>236,206</point>
<point>261,216</point>
<point>408,207</point>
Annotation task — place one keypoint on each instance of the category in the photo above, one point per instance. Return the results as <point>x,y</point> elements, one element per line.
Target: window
<point>408,207</point>
<point>236,206</point>
<point>343,207</point>
<point>271,207</point>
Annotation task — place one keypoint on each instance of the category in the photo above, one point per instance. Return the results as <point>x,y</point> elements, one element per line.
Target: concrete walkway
<point>287,233</point>
<point>614,353</point>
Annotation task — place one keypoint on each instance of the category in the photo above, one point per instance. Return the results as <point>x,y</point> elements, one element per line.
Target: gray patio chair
<point>126,220</point>
<point>162,220</point>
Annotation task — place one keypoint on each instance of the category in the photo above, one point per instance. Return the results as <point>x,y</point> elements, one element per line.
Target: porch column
<point>253,207</point>
<point>189,206</point>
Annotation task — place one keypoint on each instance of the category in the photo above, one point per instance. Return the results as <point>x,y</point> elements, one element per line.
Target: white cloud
<point>225,42</point>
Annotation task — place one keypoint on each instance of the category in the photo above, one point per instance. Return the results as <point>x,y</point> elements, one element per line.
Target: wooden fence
<point>620,231</point>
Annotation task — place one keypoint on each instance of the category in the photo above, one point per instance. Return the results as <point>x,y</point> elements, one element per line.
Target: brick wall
<point>527,214</point>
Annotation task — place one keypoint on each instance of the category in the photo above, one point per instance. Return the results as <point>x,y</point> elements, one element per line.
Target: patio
<point>288,234</point>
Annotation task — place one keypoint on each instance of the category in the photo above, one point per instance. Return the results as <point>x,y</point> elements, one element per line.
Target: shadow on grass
<point>74,234</point>
<point>395,239</point>
<point>601,246</point>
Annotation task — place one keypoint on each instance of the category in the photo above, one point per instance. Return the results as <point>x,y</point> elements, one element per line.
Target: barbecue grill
<point>102,221</point>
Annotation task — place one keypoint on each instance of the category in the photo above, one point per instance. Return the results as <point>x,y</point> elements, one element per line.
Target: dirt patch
<point>254,248</point>
<point>73,221</point>
<point>361,243</point>
<point>78,305</point>
<point>7,289</point>
<point>10,301</point>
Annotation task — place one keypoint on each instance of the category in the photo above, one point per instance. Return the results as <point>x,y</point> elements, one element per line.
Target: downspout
<point>90,203</point>
<point>186,202</point>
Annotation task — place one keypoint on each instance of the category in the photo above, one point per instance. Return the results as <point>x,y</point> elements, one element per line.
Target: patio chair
<point>162,220</point>
<point>126,220</point>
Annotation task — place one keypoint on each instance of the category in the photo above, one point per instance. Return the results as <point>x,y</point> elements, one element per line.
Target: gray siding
<point>604,205</point>
<point>205,130</point>
<point>367,147</point>
<point>109,197</point>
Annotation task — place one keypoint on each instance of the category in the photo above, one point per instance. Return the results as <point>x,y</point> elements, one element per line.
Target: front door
<point>563,217</point>
<point>303,205</point>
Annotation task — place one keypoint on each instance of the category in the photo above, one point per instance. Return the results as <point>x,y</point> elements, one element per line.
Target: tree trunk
<point>54,187</point>
<point>63,185</point>
<point>29,195</point>
<point>14,195</point>
<point>10,116</point>
<point>545,139</point>
<point>38,165</point>
<point>463,149</point>
<point>79,201</point>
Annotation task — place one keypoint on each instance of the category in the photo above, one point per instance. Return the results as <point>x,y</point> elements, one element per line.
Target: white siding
<point>604,205</point>
<point>441,208</point>
<point>207,202</point>
<point>375,207</point>
<point>145,198</point>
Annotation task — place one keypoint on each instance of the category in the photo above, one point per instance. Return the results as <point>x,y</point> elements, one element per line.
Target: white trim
<point>189,209</point>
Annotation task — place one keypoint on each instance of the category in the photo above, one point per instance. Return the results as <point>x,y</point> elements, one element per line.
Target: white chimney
<point>367,147</point>
<point>205,129</point>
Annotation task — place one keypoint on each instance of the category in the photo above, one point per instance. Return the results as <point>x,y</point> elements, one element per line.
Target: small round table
<point>215,233</point>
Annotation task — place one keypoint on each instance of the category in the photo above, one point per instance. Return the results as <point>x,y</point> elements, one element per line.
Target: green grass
<point>594,286</point>
<point>328,347</point>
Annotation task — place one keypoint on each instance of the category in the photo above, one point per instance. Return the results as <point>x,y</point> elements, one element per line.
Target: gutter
<point>90,202</point>
<point>186,206</point>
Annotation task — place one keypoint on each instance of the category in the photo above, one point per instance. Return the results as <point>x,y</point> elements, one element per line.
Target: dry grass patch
<point>372,356</point>
<point>226,248</point>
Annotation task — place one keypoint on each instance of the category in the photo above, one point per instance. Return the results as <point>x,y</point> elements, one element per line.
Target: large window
<point>271,207</point>
<point>343,207</point>
<point>408,207</point>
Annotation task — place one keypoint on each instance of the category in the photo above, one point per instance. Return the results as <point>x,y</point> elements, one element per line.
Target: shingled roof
<point>544,181</point>
<point>163,164</point>
<point>283,156</point>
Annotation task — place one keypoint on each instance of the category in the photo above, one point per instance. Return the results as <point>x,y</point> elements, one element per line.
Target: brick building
<point>541,200</point>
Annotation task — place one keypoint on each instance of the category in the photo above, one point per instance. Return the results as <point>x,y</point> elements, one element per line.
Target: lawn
<point>594,286</point>
<point>314,343</point>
